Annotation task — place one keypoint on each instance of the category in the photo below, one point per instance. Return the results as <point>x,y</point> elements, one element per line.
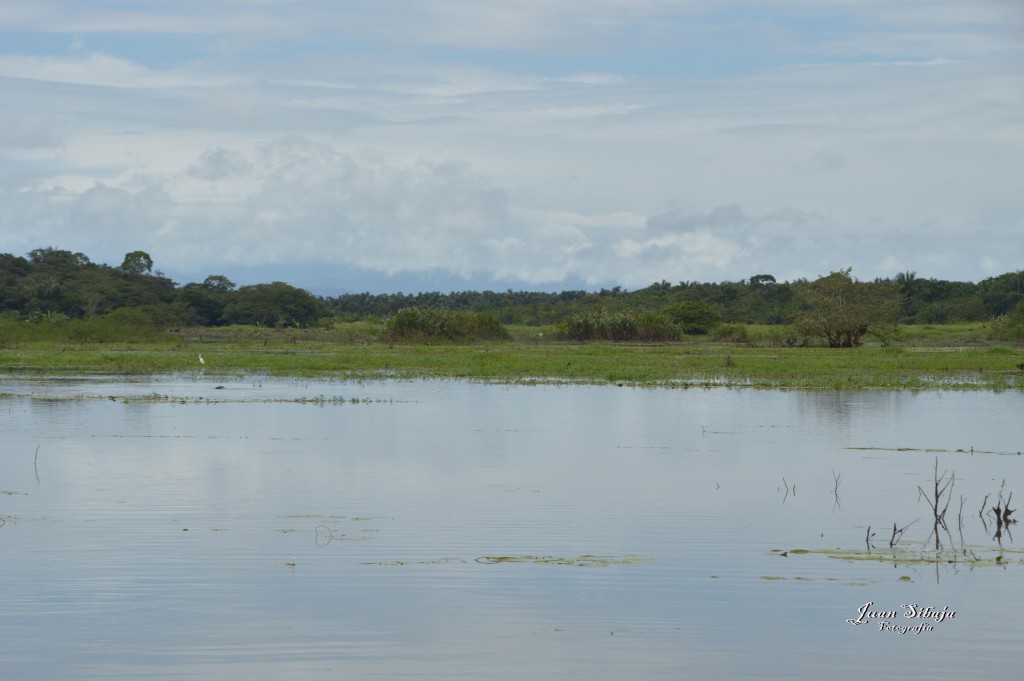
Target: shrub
<point>430,324</point>
<point>1010,326</point>
<point>594,325</point>
<point>617,326</point>
<point>731,333</point>
<point>651,326</point>
<point>694,317</point>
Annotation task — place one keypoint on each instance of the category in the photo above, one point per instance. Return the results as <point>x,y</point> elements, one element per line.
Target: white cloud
<point>25,131</point>
<point>100,70</point>
<point>841,27</point>
<point>612,142</point>
<point>219,163</point>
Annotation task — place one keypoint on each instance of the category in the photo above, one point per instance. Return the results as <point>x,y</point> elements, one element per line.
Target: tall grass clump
<point>731,333</point>
<point>1010,326</point>
<point>58,328</point>
<point>617,326</point>
<point>414,324</point>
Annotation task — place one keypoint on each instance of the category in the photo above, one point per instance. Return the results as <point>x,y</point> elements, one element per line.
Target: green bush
<point>651,326</point>
<point>694,317</point>
<point>432,324</point>
<point>1010,326</point>
<point>597,325</point>
<point>731,333</point>
<point>617,326</point>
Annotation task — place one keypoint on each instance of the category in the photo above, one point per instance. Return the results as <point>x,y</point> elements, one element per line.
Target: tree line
<point>51,283</point>
<point>761,299</point>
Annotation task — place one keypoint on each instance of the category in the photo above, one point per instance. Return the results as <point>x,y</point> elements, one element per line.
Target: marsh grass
<point>59,329</point>
<point>355,351</point>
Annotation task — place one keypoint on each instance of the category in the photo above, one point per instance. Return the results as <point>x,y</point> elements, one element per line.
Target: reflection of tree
<point>835,491</point>
<point>788,489</point>
<point>941,494</point>
<point>842,407</point>
<point>1002,512</point>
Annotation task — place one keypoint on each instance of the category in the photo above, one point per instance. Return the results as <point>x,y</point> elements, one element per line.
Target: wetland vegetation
<point>60,313</point>
<point>950,357</point>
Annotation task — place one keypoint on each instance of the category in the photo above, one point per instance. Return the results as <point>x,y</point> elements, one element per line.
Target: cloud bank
<point>608,143</point>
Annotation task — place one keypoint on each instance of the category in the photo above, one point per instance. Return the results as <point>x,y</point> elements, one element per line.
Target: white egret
<point>201,360</point>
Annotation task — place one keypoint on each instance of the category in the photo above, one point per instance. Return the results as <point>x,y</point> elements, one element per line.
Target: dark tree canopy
<point>762,280</point>
<point>276,304</point>
<point>218,282</point>
<point>52,281</point>
<point>137,262</point>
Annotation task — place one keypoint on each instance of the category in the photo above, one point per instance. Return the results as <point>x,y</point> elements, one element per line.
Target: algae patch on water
<point>586,560</point>
<point>918,554</point>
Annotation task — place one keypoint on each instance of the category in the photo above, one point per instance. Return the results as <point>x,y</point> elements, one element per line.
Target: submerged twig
<point>786,485</point>
<point>942,488</point>
<point>35,464</point>
<point>960,521</point>
<point>835,490</point>
<point>897,534</point>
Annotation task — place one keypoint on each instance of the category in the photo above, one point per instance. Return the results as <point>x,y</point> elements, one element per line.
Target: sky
<point>405,145</point>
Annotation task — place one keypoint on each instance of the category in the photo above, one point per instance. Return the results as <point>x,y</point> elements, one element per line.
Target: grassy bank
<point>938,357</point>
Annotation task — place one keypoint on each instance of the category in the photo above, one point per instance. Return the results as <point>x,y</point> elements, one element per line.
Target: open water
<point>199,527</point>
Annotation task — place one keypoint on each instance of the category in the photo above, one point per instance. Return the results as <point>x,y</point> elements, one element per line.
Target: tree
<point>204,308</point>
<point>218,282</point>
<point>206,301</point>
<point>137,262</point>
<point>276,304</point>
<point>841,310</point>
<point>1001,294</point>
<point>56,261</point>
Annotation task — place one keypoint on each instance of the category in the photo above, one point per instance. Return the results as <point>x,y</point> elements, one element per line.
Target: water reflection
<point>321,530</point>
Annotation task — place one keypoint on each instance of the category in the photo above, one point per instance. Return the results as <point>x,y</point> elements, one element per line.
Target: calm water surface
<point>213,528</point>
